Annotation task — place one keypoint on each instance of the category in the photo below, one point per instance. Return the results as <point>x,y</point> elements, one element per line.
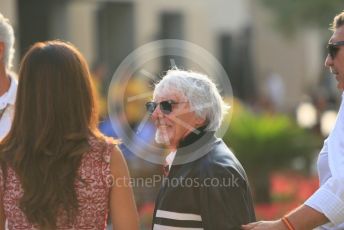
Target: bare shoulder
<point>118,163</point>
<point>111,140</point>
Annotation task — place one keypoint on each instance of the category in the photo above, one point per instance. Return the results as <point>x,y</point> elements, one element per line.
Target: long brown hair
<point>55,113</point>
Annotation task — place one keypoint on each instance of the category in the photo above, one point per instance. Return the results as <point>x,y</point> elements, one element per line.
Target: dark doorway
<point>115,34</point>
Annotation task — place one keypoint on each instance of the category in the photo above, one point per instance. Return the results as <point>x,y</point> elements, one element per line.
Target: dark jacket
<point>210,191</point>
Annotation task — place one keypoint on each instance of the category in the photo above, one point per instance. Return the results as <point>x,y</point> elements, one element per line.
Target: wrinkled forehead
<point>168,93</point>
<point>338,35</point>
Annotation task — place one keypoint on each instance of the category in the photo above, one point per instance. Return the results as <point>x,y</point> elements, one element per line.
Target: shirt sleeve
<point>225,200</point>
<point>329,200</point>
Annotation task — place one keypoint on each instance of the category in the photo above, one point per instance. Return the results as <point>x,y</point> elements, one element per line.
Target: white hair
<point>201,93</point>
<point>7,37</point>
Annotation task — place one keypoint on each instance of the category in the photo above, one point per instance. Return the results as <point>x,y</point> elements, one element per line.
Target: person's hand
<point>265,225</point>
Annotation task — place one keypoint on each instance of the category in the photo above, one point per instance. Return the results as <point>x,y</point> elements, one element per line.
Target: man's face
<point>336,64</point>
<point>176,125</point>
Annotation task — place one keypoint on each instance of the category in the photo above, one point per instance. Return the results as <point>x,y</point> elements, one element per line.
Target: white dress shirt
<point>329,198</point>
<point>7,101</point>
<point>169,159</point>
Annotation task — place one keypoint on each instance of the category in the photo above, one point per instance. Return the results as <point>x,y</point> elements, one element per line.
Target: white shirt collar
<point>8,99</point>
<point>169,159</point>
<point>10,96</point>
<point>336,143</point>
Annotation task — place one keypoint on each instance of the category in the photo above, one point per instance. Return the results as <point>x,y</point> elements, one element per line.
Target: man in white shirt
<point>8,83</point>
<point>325,208</point>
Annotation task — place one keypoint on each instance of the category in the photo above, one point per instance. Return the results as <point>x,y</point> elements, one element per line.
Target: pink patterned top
<point>93,197</point>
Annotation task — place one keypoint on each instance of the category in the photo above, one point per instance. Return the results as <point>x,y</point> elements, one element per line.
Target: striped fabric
<point>164,227</point>
<point>177,221</point>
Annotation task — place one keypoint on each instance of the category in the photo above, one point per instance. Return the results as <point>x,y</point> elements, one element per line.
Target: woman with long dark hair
<point>57,171</point>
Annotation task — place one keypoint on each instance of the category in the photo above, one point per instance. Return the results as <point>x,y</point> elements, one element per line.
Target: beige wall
<point>297,59</point>
<point>203,19</point>
<point>80,27</point>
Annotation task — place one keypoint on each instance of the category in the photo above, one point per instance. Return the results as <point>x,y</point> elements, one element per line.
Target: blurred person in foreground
<point>187,110</point>
<point>57,170</point>
<point>8,82</point>
<point>325,208</point>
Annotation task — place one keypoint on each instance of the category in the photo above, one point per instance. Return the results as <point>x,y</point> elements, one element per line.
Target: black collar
<point>193,137</point>
<point>194,146</point>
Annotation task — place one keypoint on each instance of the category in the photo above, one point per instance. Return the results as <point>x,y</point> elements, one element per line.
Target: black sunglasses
<point>333,48</point>
<point>165,106</point>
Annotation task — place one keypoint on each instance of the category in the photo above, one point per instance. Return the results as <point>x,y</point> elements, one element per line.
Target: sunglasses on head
<point>333,48</point>
<point>165,106</point>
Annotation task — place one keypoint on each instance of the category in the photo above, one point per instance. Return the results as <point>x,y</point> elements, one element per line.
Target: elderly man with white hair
<point>8,82</point>
<point>205,187</point>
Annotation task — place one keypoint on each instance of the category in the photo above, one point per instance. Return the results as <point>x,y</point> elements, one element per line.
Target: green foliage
<point>292,14</point>
<point>267,142</point>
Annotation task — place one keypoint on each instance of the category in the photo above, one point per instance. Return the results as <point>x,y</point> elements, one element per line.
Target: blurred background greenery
<point>268,142</point>
<point>294,15</point>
